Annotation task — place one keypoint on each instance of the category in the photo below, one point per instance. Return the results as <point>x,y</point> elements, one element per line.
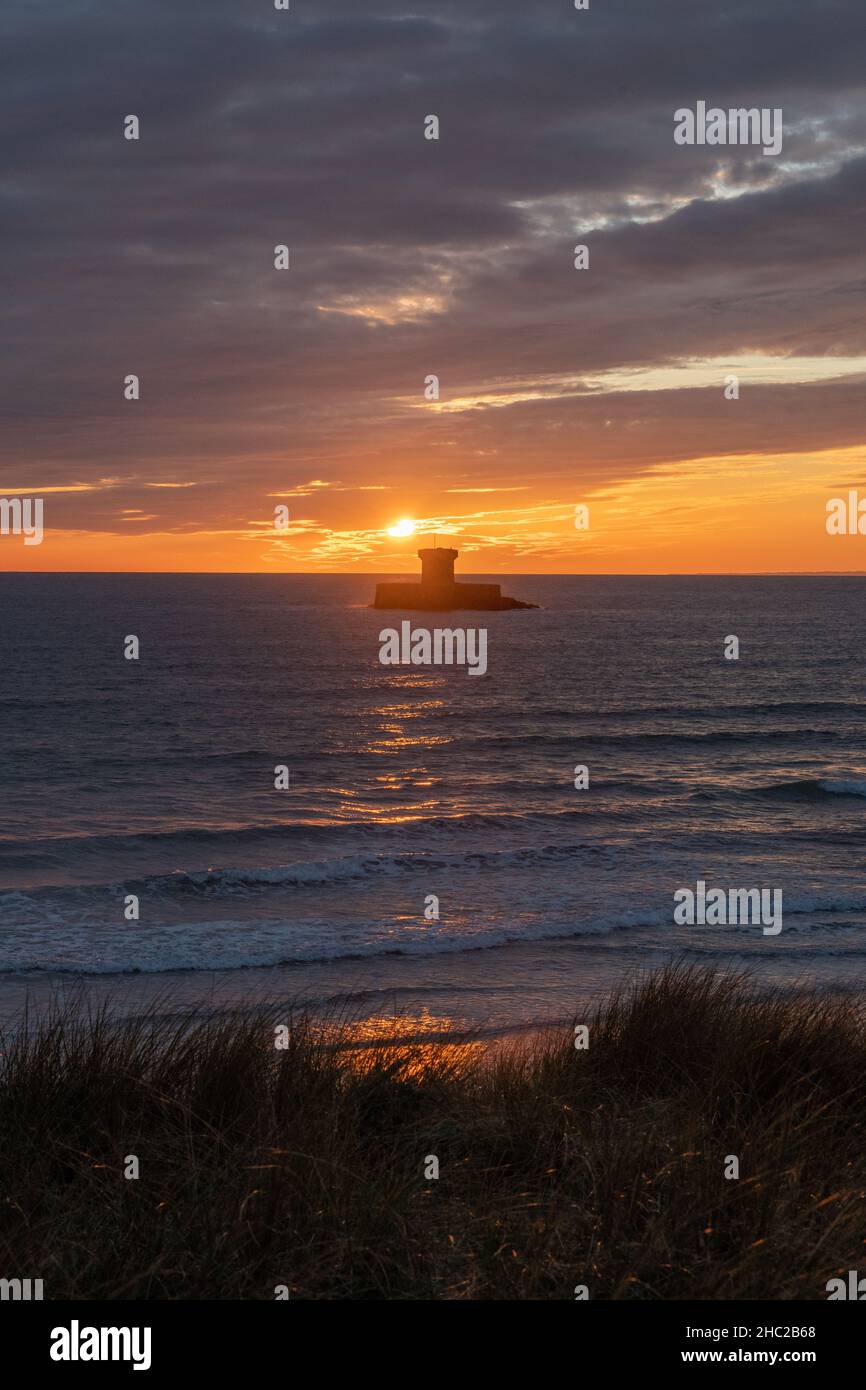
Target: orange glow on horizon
<point>713,515</point>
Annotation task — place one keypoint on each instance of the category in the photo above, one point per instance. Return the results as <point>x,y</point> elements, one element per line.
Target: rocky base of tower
<point>444,598</point>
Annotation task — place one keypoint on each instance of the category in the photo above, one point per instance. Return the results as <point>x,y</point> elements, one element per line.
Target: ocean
<point>154,779</point>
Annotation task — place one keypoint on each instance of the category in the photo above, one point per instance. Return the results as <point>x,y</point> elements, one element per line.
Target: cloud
<point>411,257</point>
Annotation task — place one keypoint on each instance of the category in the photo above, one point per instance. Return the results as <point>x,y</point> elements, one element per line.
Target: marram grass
<point>305,1167</point>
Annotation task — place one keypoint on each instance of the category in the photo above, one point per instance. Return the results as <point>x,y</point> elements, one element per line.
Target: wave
<point>299,875</point>
<point>816,789</point>
<point>276,830</point>
<point>847,787</point>
<point>215,946</point>
<point>349,867</point>
<point>330,830</point>
<point>240,945</point>
<point>650,739</point>
<point>713,712</point>
<point>25,850</point>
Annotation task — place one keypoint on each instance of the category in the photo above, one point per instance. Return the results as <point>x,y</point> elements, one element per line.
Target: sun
<point>403,528</point>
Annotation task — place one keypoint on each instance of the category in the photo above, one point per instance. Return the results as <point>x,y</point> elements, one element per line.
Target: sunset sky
<point>410,257</point>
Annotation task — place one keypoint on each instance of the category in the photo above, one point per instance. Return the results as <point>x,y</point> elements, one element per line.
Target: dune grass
<point>304,1167</point>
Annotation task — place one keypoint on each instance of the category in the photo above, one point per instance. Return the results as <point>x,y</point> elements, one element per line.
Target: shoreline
<point>510,990</point>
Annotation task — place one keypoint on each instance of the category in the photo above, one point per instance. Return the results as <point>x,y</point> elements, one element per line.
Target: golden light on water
<point>406,1045</point>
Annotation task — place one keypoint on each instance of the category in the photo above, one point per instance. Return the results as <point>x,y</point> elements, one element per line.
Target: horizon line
<point>517,574</point>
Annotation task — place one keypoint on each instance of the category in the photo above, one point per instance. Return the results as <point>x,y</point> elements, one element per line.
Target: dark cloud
<point>305,127</point>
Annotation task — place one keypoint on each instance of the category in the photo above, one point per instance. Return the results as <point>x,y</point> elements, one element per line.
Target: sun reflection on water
<point>406,1044</point>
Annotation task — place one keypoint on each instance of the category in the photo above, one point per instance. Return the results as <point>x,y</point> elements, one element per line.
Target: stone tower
<point>437,567</point>
<point>439,591</point>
